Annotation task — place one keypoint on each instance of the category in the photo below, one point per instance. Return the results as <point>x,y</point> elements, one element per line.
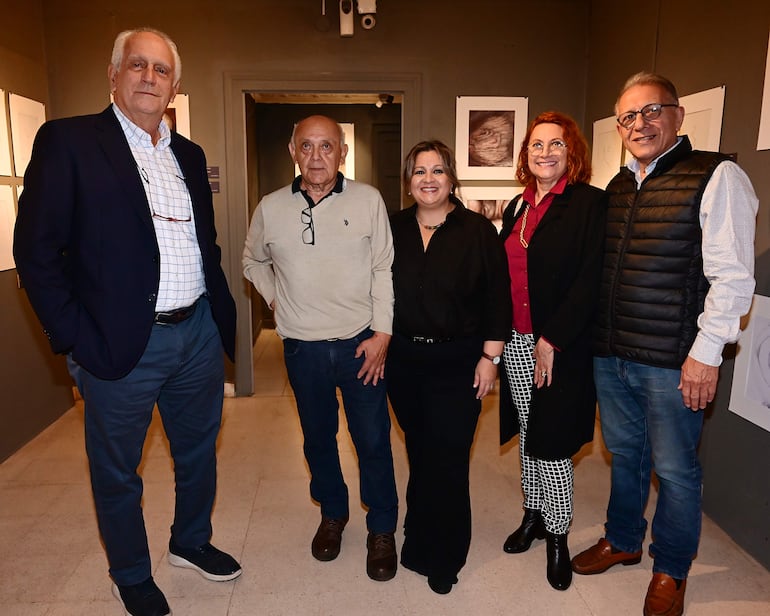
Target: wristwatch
<point>495,359</point>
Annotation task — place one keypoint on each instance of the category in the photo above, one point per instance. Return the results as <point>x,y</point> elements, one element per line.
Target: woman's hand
<point>543,363</point>
<point>484,377</point>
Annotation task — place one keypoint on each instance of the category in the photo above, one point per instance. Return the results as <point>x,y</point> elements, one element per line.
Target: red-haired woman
<point>553,238</point>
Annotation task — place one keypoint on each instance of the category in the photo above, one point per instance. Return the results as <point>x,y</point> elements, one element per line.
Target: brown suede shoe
<point>663,597</point>
<point>328,538</point>
<point>381,559</point>
<point>602,556</point>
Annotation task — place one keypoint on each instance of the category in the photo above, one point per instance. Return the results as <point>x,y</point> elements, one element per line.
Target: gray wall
<point>570,55</point>
<point>35,386</point>
<point>702,44</point>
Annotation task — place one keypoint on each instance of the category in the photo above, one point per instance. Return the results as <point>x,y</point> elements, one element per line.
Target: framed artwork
<point>7,221</point>
<point>606,153</point>
<point>5,141</point>
<point>703,118</point>
<point>763,138</point>
<point>27,116</point>
<point>750,394</point>
<point>489,200</point>
<point>488,134</point>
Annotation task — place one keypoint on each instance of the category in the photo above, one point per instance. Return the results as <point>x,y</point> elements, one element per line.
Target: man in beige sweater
<point>320,252</point>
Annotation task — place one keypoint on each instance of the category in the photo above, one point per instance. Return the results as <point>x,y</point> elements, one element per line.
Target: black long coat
<point>564,264</point>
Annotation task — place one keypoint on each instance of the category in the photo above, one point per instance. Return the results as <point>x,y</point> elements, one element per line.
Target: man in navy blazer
<point>116,247</point>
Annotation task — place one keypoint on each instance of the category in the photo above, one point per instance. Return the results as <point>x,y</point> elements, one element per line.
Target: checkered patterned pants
<point>547,484</point>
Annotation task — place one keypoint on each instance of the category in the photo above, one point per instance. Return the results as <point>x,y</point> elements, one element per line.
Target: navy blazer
<point>85,245</point>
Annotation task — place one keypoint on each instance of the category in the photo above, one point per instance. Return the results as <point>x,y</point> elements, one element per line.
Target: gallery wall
<point>570,55</point>
<point>35,386</point>
<point>702,44</point>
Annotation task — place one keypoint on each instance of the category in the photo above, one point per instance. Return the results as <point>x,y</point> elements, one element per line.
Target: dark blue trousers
<point>316,370</point>
<point>182,370</point>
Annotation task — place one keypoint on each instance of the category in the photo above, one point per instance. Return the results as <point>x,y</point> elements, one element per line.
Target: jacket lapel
<point>116,151</point>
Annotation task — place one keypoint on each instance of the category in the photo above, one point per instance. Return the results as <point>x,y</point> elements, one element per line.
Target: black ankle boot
<point>531,528</point>
<point>559,568</point>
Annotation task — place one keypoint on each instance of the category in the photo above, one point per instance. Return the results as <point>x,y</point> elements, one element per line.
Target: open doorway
<point>240,194</point>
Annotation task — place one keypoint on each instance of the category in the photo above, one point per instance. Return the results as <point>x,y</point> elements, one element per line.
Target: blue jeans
<point>316,370</point>
<point>646,427</point>
<point>182,370</point>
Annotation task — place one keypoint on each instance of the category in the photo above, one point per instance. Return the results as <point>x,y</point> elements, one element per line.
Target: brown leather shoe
<point>381,559</point>
<point>328,537</point>
<point>663,597</point>
<point>602,556</point>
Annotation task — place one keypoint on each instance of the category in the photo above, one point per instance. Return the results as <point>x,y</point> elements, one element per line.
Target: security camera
<point>367,7</point>
<point>346,17</point>
<point>368,22</point>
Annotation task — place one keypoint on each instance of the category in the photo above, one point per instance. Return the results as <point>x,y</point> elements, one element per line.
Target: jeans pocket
<point>291,347</point>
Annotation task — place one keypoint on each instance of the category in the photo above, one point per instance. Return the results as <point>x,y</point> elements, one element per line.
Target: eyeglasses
<point>649,113</point>
<point>308,233</point>
<point>161,196</point>
<point>538,147</point>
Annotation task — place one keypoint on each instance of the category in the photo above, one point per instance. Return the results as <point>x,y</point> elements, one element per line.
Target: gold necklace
<point>524,242</point>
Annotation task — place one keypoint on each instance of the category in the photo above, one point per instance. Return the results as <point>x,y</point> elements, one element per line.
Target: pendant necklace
<point>524,242</point>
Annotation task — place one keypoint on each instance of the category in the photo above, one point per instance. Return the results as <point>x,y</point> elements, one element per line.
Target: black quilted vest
<point>653,287</point>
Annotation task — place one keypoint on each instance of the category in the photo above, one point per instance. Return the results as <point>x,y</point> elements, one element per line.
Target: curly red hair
<point>578,158</point>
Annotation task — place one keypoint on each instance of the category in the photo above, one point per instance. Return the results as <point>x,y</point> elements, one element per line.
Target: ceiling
<point>334,98</point>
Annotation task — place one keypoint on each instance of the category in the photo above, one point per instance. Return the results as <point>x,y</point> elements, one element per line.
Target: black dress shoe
<point>559,568</point>
<point>328,538</point>
<point>143,599</point>
<point>441,584</point>
<point>211,563</point>
<point>532,527</point>
<point>381,559</point>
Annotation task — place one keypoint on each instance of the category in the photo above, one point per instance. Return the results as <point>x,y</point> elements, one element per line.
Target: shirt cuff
<point>706,351</point>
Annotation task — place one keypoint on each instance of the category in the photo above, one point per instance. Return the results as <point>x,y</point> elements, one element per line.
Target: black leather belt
<point>172,317</point>
<point>429,339</point>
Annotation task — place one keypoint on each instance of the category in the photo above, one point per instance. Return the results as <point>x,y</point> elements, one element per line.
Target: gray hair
<point>119,48</point>
<point>644,78</point>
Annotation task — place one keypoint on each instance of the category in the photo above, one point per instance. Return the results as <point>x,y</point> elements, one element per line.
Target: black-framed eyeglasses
<point>152,197</point>
<point>649,112</point>
<point>308,233</point>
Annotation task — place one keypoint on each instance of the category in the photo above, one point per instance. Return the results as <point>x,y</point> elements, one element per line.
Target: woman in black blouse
<point>452,316</point>
<point>553,239</point>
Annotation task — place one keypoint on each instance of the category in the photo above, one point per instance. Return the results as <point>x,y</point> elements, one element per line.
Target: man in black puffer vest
<point>678,275</point>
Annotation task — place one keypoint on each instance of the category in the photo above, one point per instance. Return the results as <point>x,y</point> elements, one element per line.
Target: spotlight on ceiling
<point>384,99</point>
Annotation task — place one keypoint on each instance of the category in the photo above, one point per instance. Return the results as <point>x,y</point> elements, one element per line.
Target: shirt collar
<point>339,186</point>
<point>558,189</point>
<point>139,137</point>
<point>635,167</point>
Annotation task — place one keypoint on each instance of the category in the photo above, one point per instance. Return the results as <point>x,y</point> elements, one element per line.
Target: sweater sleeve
<point>382,275</point>
<point>257,262</point>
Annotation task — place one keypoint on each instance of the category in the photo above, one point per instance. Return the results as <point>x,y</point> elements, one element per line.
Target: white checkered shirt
<point>181,265</point>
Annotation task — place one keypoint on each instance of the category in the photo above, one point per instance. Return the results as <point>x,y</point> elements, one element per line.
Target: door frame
<point>236,85</point>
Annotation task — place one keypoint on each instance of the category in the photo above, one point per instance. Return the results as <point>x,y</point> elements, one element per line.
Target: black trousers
<point>431,391</point>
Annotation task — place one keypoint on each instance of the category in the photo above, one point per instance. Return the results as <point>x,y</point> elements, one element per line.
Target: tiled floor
<point>51,561</point>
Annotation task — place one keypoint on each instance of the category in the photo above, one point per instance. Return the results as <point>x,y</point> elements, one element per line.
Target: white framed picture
<point>750,394</point>
<point>488,134</point>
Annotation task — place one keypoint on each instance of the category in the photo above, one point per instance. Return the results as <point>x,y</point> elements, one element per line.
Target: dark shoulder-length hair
<point>578,158</point>
<point>444,152</point>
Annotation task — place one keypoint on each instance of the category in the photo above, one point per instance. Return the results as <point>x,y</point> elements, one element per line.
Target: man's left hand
<point>698,383</point>
<point>375,349</point>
